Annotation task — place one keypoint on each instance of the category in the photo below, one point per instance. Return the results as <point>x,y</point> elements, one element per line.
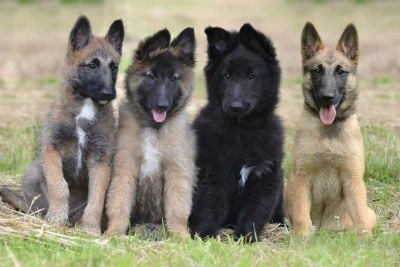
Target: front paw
<point>248,232</point>
<point>58,217</point>
<point>205,230</point>
<point>179,234</point>
<point>90,228</point>
<point>115,231</point>
<point>302,231</point>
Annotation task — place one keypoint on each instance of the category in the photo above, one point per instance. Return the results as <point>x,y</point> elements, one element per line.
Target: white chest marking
<point>244,175</point>
<point>88,112</point>
<point>151,163</point>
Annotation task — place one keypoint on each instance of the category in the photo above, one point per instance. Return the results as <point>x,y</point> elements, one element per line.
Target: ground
<point>33,41</point>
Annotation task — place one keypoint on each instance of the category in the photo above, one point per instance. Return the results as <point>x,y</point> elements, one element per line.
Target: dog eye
<point>340,71</point>
<point>173,77</point>
<point>150,75</point>
<point>94,64</point>
<point>113,66</point>
<point>227,75</point>
<point>317,70</point>
<point>252,76</point>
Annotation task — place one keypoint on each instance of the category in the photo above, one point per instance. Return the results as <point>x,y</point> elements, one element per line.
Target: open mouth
<point>159,116</point>
<point>327,114</point>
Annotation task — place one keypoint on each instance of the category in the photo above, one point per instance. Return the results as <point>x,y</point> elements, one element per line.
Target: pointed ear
<point>310,42</point>
<point>185,44</point>
<point>115,35</point>
<point>348,43</point>
<point>218,40</point>
<point>159,40</point>
<point>257,42</point>
<point>80,34</point>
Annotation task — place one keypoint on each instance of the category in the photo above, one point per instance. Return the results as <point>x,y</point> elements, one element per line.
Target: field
<point>33,40</point>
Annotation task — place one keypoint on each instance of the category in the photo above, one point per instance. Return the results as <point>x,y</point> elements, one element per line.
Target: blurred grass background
<point>33,41</point>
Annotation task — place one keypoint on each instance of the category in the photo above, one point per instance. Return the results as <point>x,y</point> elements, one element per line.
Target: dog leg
<point>58,191</point>
<point>355,197</point>
<point>35,189</point>
<point>178,189</point>
<point>298,206</point>
<point>210,209</point>
<point>15,200</point>
<point>122,191</point>
<point>259,201</point>
<point>99,179</point>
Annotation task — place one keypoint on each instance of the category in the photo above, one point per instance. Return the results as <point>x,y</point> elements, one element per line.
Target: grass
<point>27,241</point>
<point>323,249</point>
<point>19,147</point>
<point>33,47</point>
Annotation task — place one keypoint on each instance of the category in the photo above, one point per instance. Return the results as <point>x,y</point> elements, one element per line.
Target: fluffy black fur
<point>238,128</point>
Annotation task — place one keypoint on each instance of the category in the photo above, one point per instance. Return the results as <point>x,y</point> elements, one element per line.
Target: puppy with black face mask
<point>154,171</point>
<point>326,187</point>
<point>68,183</point>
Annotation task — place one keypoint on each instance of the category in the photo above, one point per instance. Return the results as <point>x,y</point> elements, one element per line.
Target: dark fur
<point>57,184</point>
<point>154,168</point>
<point>238,127</point>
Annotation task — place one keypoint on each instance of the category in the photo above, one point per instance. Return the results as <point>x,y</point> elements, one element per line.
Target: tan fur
<point>170,190</point>
<point>65,110</point>
<point>154,170</point>
<point>69,181</point>
<point>325,187</point>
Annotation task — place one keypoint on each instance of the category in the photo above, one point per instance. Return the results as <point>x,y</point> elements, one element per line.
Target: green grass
<point>382,154</point>
<point>323,249</point>
<point>283,20</point>
<point>18,148</point>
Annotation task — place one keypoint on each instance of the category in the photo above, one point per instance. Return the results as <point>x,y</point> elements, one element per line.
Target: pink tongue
<point>327,114</point>
<point>159,116</point>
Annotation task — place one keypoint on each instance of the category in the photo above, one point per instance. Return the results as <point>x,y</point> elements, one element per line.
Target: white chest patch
<point>244,175</point>
<point>151,163</point>
<point>88,113</point>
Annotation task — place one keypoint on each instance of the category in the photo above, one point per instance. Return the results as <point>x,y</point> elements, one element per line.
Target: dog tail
<point>13,199</point>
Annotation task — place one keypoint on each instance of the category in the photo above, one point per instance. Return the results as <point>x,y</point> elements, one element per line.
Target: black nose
<point>107,94</point>
<point>327,98</point>
<point>162,104</point>
<point>236,106</point>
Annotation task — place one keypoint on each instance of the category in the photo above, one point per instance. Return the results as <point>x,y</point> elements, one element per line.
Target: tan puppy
<point>326,187</point>
<point>154,171</point>
<point>69,181</point>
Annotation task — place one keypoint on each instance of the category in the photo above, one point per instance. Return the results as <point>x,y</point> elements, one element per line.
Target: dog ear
<point>257,42</point>
<point>185,44</point>
<point>348,43</point>
<point>80,34</point>
<point>115,35</point>
<point>311,43</point>
<point>218,40</point>
<point>159,40</point>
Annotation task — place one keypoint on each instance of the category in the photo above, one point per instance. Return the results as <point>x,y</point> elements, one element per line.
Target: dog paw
<point>179,234</point>
<point>302,234</point>
<point>90,228</point>
<point>115,232</point>
<point>57,217</point>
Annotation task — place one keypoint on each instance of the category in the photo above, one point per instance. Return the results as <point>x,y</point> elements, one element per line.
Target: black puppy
<point>240,138</point>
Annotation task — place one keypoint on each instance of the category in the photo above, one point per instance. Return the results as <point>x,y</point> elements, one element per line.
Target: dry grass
<point>15,224</point>
<point>32,47</point>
